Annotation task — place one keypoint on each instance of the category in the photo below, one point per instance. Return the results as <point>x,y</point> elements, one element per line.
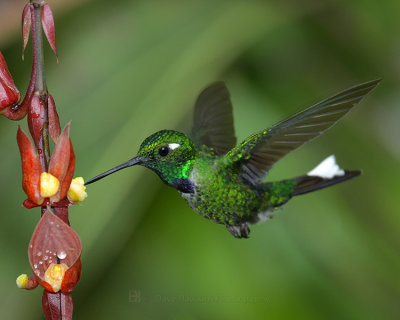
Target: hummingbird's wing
<point>213,119</point>
<point>258,153</point>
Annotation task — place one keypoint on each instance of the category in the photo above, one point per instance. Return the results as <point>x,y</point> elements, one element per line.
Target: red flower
<point>36,183</point>
<point>54,254</point>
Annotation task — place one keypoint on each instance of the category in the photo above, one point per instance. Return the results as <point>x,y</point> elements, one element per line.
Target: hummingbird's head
<point>168,153</point>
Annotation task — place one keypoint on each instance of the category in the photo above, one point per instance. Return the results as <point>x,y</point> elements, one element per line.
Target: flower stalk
<point>55,248</point>
<point>40,88</point>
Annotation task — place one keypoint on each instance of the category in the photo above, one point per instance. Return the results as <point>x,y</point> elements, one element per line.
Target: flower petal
<point>48,26</point>
<point>31,169</point>
<point>26,26</point>
<point>29,204</point>
<point>69,175</point>
<point>53,241</point>
<point>60,159</point>
<point>72,277</point>
<point>54,121</point>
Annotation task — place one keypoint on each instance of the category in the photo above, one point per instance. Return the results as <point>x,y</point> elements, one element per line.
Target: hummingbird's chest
<point>219,195</point>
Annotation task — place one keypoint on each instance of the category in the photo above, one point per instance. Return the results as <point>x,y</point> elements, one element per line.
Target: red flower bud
<point>26,26</point>
<point>54,121</point>
<point>52,302</point>
<point>54,254</point>
<point>31,169</point>
<point>19,111</point>
<point>9,94</point>
<point>48,26</point>
<point>36,119</point>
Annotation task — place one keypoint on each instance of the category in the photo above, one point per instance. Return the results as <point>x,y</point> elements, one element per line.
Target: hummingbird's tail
<point>326,174</point>
<point>307,183</point>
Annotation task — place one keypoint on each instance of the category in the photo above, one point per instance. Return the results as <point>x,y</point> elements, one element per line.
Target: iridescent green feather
<point>178,164</point>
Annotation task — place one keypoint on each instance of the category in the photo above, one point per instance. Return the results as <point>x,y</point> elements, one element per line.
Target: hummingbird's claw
<point>240,231</point>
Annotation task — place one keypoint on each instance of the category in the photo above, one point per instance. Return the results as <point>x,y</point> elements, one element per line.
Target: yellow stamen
<point>76,192</point>
<point>49,185</point>
<point>22,280</point>
<point>54,275</point>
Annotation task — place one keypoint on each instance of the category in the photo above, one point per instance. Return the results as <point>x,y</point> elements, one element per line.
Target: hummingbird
<point>224,181</point>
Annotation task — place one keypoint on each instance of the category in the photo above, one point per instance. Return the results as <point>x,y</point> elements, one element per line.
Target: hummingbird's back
<point>221,196</point>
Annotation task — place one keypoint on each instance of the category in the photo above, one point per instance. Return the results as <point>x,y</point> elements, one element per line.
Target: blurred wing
<point>258,153</point>
<point>213,119</point>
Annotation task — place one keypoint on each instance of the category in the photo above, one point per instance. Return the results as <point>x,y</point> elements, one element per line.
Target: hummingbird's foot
<point>241,231</point>
<point>235,231</point>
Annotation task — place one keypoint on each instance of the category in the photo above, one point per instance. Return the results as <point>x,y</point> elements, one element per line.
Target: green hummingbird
<point>224,182</point>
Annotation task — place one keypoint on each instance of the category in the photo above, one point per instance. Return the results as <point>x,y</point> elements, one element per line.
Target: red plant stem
<point>40,87</point>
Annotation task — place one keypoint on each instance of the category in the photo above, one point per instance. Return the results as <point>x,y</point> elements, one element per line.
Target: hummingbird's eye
<point>163,151</point>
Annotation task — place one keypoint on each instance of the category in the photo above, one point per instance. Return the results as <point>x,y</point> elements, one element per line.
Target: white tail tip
<point>327,169</point>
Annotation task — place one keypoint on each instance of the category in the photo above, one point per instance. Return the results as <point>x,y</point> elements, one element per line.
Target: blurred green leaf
<point>130,68</point>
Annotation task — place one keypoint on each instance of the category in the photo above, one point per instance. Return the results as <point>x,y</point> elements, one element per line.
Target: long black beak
<point>130,163</point>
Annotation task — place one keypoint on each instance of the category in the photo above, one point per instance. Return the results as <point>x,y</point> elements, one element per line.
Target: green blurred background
<point>129,68</point>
